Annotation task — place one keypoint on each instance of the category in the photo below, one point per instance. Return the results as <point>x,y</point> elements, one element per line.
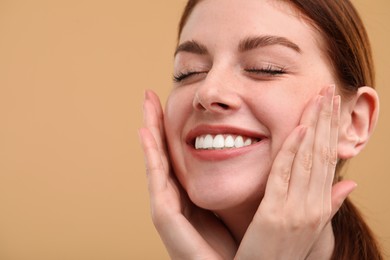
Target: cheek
<point>173,122</point>
<point>280,117</point>
<point>284,123</point>
<point>177,109</point>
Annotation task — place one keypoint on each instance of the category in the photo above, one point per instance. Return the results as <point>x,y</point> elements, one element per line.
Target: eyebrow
<point>192,47</point>
<point>251,43</point>
<point>247,44</point>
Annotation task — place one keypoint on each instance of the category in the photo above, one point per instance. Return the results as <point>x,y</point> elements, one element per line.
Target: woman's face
<point>244,71</point>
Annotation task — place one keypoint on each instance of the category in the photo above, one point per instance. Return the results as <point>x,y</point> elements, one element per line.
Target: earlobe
<point>358,120</point>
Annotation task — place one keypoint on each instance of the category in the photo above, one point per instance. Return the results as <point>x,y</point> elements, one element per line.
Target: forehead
<point>231,20</point>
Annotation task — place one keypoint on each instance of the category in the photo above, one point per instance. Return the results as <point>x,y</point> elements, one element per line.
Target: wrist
<point>324,246</point>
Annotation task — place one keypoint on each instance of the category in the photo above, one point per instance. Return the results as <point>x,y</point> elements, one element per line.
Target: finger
<point>150,95</point>
<point>279,178</point>
<point>340,192</point>
<point>151,122</point>
<point>154,122</point>
<point>321,150</point>
<point>303,162</point>
<point>151,119</point>
<point>155,171</point>
<point>182,240</point>
<point>333,150</point>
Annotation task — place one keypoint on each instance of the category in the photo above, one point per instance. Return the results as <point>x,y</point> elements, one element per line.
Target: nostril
<point>222,105</point>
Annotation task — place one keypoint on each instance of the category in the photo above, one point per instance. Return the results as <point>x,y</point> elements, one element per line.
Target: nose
<point>217,95</point>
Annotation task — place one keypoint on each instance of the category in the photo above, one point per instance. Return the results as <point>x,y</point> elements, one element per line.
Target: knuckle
<point>270,217</point>
<point>324,154</point>
<point>314,223</point>
<point>296,222</point>
<point>285,174</point>
<point>271,220</point>
<point>316,219</point>
<point>313,220</point>
<point>154,168</point>
<point>333,157</point>
<point>294,219</point>
<point>326,114</point>
<point>292,150</point>
<point>307,161</point>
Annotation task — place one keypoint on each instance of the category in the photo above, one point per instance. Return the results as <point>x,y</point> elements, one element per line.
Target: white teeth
<point>229,142</point>
<point>220,141</point>
<point>208,142</point>
<point>248,142</point>
<point>239,142</point>
<point>199,142</point>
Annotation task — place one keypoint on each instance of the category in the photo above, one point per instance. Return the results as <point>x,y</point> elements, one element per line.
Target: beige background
<point>72,76</point>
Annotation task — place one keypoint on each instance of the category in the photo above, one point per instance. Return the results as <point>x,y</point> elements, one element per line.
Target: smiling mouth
<point>225,141</point>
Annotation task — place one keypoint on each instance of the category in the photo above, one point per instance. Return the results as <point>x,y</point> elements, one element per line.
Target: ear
<point>359,115</point>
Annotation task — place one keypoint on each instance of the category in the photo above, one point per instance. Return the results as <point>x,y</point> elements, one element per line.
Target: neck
<point>237,220</point>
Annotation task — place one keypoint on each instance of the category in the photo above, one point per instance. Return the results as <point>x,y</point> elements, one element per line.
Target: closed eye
<point>184,75</point>
<point>267,71</point>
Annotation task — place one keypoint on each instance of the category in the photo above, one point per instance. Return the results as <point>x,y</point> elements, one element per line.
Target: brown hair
<point>348,49</point>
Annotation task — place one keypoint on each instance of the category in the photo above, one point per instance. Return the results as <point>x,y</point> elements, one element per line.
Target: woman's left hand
<point>300,198</point>
<point>188,232</point>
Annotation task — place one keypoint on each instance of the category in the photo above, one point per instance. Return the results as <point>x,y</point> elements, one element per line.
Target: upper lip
<point>221,129</point>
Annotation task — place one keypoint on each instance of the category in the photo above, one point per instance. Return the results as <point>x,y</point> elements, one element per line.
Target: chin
<point>226,193</point>
<point>224,178</point>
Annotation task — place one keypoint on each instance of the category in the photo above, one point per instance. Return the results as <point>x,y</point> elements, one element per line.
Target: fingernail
<point>146,94</point>
<point>302,132</point>
<point>336,101</point>
<point>353,188</point>
<point>144,109</point>
<point>319,100</point>
<point>331,89</point>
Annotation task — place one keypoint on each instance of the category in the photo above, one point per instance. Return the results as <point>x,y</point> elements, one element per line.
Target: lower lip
<point>222,154</point>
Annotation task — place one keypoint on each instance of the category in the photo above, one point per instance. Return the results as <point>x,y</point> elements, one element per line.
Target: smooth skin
<point>276,199</point>
<point>193,233</point>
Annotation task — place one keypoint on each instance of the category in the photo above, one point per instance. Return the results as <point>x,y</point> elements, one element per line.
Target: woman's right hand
<point>293,219</point>
<point>187,231</point>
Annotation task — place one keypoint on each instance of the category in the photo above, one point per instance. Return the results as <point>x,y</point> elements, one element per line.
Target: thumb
<point>340,192</point>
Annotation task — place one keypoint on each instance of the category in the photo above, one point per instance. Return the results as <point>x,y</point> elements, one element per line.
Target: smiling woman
<point>269,100</point>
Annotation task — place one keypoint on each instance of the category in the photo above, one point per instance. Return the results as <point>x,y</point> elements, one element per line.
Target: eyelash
<point>267,71</point>
<point>183,75</point>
